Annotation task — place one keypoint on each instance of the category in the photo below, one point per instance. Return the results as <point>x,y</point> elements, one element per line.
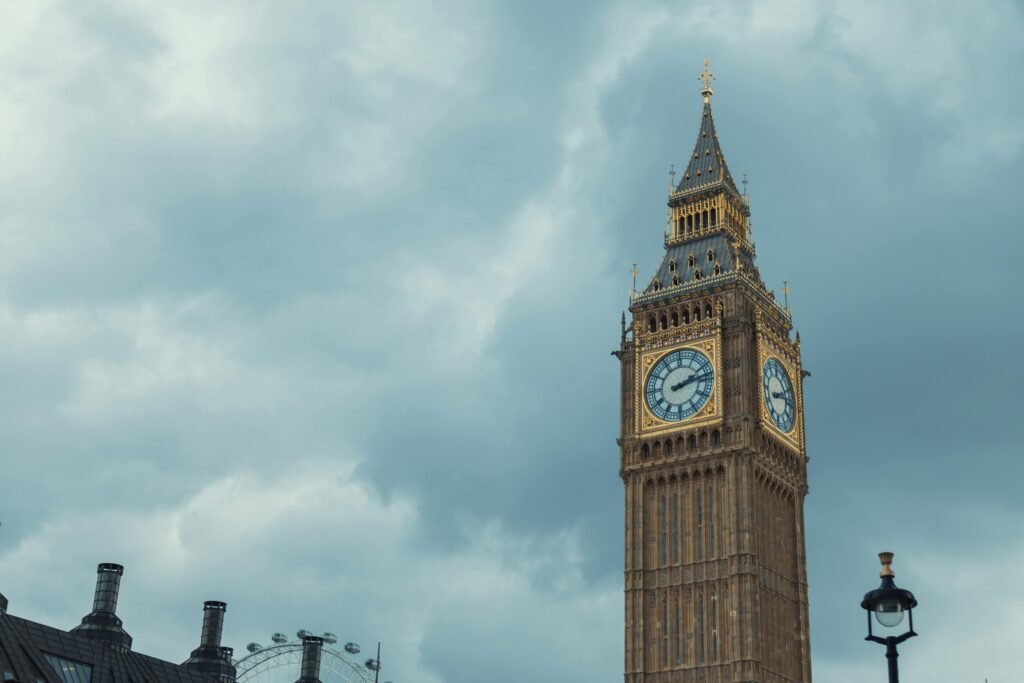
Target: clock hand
<point>779,394</point>
<point>689,380</point>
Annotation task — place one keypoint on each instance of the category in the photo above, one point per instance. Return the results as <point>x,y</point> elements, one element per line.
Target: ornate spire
<point>706,165</point>
<point>707,77</point>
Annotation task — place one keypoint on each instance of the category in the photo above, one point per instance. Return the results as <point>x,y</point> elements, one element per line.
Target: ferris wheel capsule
<point>303,633</point>
<point>330,638</point>
<point>352,648</point>
<point>253,647</point>
<point>279,638</point>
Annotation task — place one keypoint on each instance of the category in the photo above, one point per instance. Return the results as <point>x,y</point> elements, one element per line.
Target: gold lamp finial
<point>707,77</point>
<point>886,559</point>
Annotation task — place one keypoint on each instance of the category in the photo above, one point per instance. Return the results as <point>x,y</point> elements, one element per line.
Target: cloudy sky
<point>308,307</point>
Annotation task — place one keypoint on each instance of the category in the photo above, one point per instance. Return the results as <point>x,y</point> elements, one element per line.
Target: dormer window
<point>696,274</point>
<point>675,279</point>
<point>711,256</point>
<point>691,261</point>
<point>672,266</point>
<point>718,269</point>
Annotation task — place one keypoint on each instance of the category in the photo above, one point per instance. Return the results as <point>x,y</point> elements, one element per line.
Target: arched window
<point>675,318</point>
<point>686,316</point>
<point>711,256</point>
<point>718,269</point>
<point>668,446</point>
<point>696,274</point>
<point>645,451</point>
<point>716,438</point>
<point>714,628</point>
<point>657,285</point>
<point>692,441</point>
<point>707,310</point>
<point>696,313</point>
<point>700,627</point>
<point>672,266</point>
<point>675,280</point>
<point>714,219</point>
<point>664,322</point>
<point>652,324</point>
<point>691,261</point>
<point>703,439</point>
<point>689,223</point>
<point>704,219</point>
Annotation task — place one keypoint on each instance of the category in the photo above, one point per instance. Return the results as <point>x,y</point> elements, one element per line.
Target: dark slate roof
<point>32,653</point>
<point>722,252</point>
<point>707,163</point>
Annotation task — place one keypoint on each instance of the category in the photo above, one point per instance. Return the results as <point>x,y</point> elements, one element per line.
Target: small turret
<point>210,657</point>
<point>102,623</point>
<point>312,647</point>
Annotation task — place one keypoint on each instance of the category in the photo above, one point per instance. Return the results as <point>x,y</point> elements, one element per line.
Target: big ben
<point>712,450</point>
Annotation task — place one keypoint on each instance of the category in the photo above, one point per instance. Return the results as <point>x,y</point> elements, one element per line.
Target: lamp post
<point>889,604</point>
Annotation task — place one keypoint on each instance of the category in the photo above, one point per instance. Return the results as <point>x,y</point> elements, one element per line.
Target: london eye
<point>281,661</point>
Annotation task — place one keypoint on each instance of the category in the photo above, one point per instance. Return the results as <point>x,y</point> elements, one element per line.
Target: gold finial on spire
<point>785,293</point>
<point>707,77</point>
<point>634,272</point>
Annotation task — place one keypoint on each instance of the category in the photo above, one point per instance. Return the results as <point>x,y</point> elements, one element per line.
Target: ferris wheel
<point>281,661</point>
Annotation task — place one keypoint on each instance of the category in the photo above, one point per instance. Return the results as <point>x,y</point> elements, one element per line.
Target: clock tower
<point>712,450</point>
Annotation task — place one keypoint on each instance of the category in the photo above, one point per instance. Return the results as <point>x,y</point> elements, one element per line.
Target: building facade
<point>712,450</point>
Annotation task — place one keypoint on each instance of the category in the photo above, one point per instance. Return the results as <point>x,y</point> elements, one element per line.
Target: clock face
<point>680,384</point>
<point>778,394</point>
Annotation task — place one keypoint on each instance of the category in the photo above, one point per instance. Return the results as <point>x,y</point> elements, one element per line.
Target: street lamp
<point>889,603</point>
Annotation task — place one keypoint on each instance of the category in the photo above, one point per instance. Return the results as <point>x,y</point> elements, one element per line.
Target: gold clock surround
<point>770,347</point>
<point>710,346</point>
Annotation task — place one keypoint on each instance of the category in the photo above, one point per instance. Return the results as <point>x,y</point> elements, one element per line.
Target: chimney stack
<point>210,657</point>
<point>102,623</point>
<point>311,650</point>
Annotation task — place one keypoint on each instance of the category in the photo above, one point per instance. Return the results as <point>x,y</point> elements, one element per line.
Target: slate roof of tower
<point>723,254</point>
<point>707,165</point>
<point>32,653</point>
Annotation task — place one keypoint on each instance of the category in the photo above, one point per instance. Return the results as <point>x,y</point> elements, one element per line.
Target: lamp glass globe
<point>889,613</point>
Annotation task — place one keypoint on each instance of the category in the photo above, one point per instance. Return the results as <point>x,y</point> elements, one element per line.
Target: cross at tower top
<point>707,77</point>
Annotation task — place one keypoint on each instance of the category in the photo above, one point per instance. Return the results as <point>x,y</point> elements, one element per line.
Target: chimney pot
<point>108,585</point>
<point>213,623</point>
